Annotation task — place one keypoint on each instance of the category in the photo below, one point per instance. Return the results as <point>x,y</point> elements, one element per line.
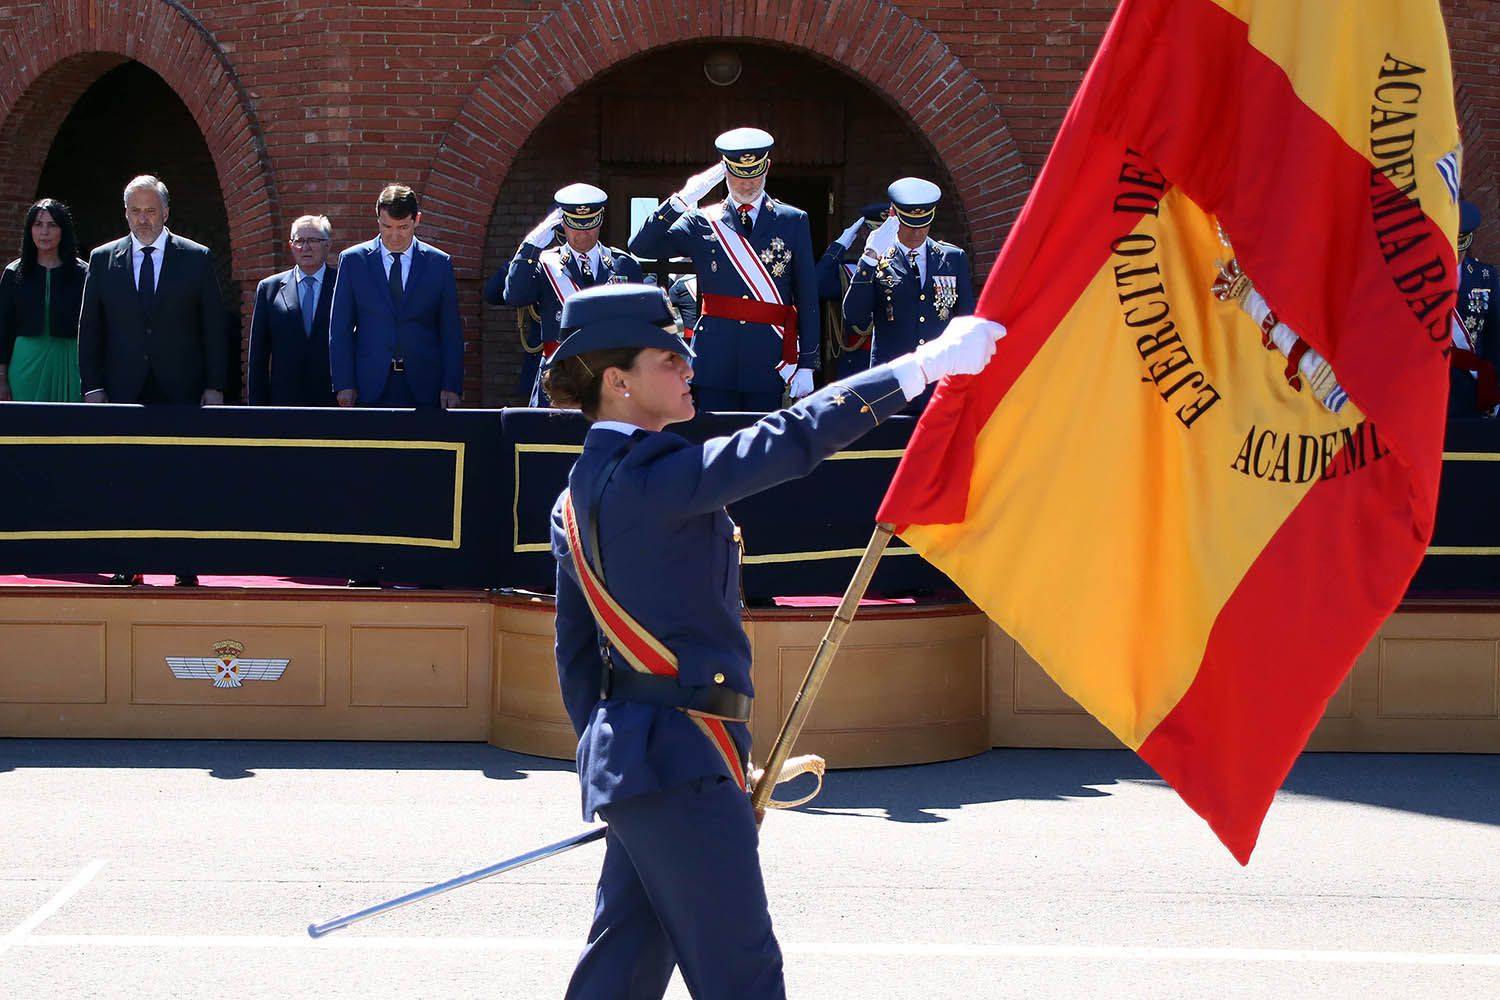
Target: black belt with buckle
<point>657,689</point>
<point>398,364</point>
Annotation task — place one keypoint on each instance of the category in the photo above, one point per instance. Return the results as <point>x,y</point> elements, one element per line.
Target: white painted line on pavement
<point>19,933</point>
<point>1094,952</point>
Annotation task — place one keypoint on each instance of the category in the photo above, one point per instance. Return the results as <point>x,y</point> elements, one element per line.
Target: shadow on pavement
<point>232,759</point>
<point>1455,786</point>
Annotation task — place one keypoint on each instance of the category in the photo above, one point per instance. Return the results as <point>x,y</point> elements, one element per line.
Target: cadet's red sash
<point>642,650</point>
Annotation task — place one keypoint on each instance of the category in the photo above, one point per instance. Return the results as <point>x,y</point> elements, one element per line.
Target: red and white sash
<point>562,284</point>
<point>753,272</point>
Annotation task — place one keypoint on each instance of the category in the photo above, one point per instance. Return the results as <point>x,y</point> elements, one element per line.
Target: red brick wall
<point>312,107</point>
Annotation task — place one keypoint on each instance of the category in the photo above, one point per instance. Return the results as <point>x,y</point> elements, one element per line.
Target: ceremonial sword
<point>760,798</point>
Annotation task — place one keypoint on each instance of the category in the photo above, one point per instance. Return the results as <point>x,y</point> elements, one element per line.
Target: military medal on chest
<point>944,294</point>
<point>776,257</point>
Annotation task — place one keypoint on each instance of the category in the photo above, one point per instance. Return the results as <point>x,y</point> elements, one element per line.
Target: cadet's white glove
<point>541,236</point>
<point>699,185</point>
<point>963,349</point>
<point>847,239</point>
<point>879,243</point>
<point>801,384</point>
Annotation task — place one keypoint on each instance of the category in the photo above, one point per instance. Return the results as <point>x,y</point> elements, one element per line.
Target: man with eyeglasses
<point>289,328</point>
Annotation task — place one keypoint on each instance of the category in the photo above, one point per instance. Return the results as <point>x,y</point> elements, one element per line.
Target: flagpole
<point>843,616</point>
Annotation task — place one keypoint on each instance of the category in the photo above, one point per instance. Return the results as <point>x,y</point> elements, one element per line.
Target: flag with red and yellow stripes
<point>1202,467</point>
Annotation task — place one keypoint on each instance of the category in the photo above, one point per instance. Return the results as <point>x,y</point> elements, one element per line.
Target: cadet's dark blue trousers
<point>681,885</point>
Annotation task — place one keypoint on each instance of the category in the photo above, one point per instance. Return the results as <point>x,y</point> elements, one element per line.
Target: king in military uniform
<point>908,284</point>
<point>757,334</point>
<point>541,277</point>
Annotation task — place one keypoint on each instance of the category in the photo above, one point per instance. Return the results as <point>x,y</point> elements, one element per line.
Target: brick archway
<point>64,49</point>
<point>871,40</point>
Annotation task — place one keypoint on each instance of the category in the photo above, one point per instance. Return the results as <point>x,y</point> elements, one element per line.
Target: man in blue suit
<point>289,328</point>
<point>757,336</point>
<point>849,348</point>
<point>908,284</point>
<point>543,277</point>
<point>394,338</point>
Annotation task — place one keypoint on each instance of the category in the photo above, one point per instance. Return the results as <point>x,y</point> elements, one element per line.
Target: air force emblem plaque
<point>226,668</point>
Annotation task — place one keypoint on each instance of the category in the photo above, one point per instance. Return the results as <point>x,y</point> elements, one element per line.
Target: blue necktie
<point>309,302</point>
<point>146,286</point>
<point>395,279</point>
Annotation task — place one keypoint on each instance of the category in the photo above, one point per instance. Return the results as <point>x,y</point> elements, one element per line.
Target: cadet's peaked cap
<point>625,315</point>
<point>1468,217</point>
<point>746,151</point>
<point>915,200</point>
<point>582,205</point>
<point>876,211</point>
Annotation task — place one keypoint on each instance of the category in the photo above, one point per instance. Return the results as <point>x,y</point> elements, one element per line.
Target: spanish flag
<point>1202,467</point>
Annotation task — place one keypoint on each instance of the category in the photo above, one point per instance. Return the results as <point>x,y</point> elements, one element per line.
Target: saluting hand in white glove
<point>847,239</point>
<point>965,347</point>
<point>801,384</point>
<point>699,185</point>
<point>879,243</point>
<point>541,237</point>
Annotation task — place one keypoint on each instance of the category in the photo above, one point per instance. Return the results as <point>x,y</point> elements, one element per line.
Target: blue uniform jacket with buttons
<point>1479,306</point>
<point>733,355</point>
<point>670,558</point>
<point>832,284</point>
<point>523,283</point>
<point>906,313</point>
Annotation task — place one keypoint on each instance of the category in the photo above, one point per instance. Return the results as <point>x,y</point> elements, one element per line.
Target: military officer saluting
<point>849,347</point>
<point>1479,311</point>
<point>543,277</point>
<point>757,335</point>
<point>907,284</point>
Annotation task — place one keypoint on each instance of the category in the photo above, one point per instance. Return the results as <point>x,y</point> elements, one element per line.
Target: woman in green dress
<point>41,295</point>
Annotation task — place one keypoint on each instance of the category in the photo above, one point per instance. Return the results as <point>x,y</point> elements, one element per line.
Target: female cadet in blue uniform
<point>907,284</point>
<point>643,545</point>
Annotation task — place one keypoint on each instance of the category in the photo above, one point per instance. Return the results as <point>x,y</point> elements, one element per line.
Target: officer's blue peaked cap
<point>746,151</point>
<point>1468,217</point>
<point>582,205</point>
<point>915,200</point>
<point>610,316</point>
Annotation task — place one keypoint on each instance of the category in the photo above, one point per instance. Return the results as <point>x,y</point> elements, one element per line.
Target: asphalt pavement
<point>165,869</point>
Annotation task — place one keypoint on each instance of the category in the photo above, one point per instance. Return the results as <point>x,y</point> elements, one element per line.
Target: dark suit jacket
<point>366,330</point>
<point>181,342</point>
<point>288,367</point>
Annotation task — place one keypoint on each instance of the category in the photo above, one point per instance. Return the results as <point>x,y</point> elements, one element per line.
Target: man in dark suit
<point>757,335</point>
<point>289,328</point>
<point>152,325</point>
<point>394,337</point>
